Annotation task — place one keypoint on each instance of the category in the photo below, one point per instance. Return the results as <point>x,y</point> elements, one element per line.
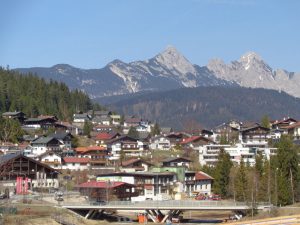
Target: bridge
<point>154,209</point>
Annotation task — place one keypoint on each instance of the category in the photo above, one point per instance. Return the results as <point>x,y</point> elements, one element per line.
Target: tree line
<point>275,180</point>
<point>35,96</point>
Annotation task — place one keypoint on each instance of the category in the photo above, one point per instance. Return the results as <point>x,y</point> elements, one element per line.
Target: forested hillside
<point>35,96</point>
<point>209,106</point>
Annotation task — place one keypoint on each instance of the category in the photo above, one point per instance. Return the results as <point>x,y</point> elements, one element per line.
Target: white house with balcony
<point>129,146</point>
<point>75,163</point>
<point>197,183</point>
<point>208,154</point>
<point>160,143</point>
<point>44,144</point>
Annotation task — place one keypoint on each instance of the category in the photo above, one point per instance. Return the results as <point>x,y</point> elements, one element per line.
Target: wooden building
<point>38,175</point>
<point>107,190</point>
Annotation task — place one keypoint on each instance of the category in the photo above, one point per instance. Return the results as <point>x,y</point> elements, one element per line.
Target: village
<point>106,156</point>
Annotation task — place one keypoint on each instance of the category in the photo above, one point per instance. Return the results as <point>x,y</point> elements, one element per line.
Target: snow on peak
<point>249,59</point>
<point>172,59</point>
<point>250,56</point>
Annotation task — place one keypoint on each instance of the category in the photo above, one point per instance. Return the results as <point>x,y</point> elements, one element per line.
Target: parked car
<point>201,197</point>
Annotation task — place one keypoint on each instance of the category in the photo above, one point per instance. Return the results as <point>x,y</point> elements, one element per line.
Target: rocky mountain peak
<point>251,59</point>
<point>172,59</point>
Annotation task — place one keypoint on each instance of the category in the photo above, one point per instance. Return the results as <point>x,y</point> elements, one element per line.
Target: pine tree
<point>265,121</point>
<point>155,130</point>
<point>241,183</point>
<point>133,133</point>
<point>87,128</point>
<point>265,185</point>
<point>221,174</point>
<point>259,164</point>
<point>288,170</point>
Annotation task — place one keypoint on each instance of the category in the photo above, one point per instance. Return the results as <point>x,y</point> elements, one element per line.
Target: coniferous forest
<point>35,96</point>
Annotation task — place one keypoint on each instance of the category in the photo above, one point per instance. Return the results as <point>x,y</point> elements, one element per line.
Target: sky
<point>92,33</point>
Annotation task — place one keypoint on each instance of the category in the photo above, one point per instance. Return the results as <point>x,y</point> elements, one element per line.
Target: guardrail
<point>173,203</point>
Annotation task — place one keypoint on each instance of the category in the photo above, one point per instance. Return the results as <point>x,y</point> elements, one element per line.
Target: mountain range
<point>171,70</point>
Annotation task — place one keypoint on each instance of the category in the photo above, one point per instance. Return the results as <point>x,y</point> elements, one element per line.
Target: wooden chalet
<point>39,175</point>
<point>20,116</point>
<point>256,133</point>
<point>176,161</point>
<point>280,124</point>
<point>195,141</point>
<point>98,155</point>
<point>44,122</point>
<point>136,164</point>
<point>107,190</point>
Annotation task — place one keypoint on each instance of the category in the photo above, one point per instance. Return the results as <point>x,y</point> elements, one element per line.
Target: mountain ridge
<point>171,70</point>
<point>206,106</point>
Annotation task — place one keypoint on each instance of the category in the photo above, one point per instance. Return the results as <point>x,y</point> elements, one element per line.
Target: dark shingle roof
<point>7,157</point>
<point>60,135</point>
<point>42,140</point>
<point>171,159</point>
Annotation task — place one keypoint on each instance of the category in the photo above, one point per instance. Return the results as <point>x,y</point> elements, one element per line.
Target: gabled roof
<point>166,130</point>
<point>36,120</point>
<point>60,135</point>
<point>81,116</point>
<point>122,138</point>
<point>294,125</point>
<point>284,120</point>
<point>173,159</point>
<point>81,150</point>
<point>12,113</point>
<point>43,140</point>
<point>47,117</point>
<point>254,127</point>
<point>106,136</point>
<point>194,139</point>
<point>132,161</point>
<point>103,184</point>
<point>5,158</point>
<point>76,160</point>
<point>102,113</point>
<point>202,176</point>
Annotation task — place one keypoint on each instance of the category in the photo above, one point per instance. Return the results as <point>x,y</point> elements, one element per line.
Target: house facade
<point>160,143</point>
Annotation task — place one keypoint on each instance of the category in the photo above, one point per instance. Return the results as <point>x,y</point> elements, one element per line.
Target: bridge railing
<point>168,203</point>
<point>175,203</point>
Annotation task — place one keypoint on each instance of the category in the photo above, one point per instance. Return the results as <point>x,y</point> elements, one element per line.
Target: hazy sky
<point>90,34</point>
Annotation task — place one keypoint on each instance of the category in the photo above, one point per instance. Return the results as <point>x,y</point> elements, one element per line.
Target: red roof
<point>284,120</point>
<point>190,139</point>
<point>102,184</point>
<point>105,136</point>
<point>90,148</point>
<point>294,125</point>
<point>76,160</point>
<point>202,176</point>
